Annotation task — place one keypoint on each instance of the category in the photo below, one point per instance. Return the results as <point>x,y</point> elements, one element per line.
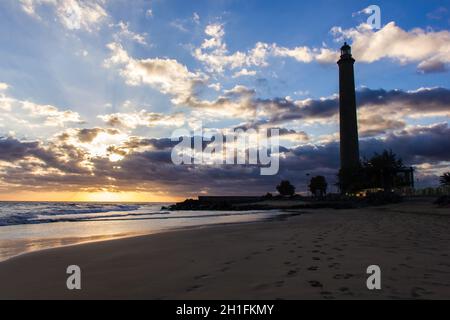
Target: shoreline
<point>323,255</point>
<point>80,241</point>
<point>25,238</point>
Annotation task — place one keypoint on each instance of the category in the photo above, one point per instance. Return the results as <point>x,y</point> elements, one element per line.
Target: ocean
<point>32,226</point>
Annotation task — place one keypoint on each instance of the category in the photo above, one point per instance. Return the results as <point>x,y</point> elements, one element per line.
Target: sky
<point>91,91</point>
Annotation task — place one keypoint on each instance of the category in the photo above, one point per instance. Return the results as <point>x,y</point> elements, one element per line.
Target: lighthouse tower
<point>347,111</point>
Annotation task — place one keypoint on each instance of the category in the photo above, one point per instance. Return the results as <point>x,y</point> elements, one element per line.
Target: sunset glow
<point>91,93</point>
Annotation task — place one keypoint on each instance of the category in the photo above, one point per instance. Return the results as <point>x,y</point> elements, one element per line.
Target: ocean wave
<point>34,213</point>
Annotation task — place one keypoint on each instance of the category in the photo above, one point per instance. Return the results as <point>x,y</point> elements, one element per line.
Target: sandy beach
<point>320,254</point>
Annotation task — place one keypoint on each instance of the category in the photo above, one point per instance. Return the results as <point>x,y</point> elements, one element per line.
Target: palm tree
<point>445,179</point>
<point>318,186</point>
<point>285,188</point>
<point>380,171</point>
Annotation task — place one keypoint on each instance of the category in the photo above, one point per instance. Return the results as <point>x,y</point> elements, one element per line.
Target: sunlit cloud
<point>22,115</point>
<point>72,14</point>
<point>429,49</point>
<point>143,118</point>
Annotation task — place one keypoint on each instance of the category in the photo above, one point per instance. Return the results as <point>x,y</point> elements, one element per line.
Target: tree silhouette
<point>380,171</point>
<point>285,188</point>
<point>445,179</point>
<point>318,186</point>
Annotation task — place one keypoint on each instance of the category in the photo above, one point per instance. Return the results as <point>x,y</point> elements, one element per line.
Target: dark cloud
<point>383,102</point>
<point>12,149</point>
<point>415,146</point>
<point>88,135</point>
<point>432,67</point>
<point>421,101</point>
<point>375,125</point>
<point>152,169</point>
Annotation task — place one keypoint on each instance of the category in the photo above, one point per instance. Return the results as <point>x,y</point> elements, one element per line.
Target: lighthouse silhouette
<point>348,122</point>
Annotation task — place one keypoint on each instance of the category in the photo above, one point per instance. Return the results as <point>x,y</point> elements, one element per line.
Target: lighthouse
<point>348,122</point>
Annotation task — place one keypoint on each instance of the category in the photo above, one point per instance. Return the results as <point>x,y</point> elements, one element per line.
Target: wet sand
<point>321,254</point>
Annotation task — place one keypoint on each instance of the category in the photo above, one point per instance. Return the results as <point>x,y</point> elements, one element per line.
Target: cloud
<point>29,6</point>
<point>415,145</point>
<point>196,18</point>
<point>292,135</point>
<point>125,33</point>
<point>214,53</point>
<point>244,73</point>
<point>432,66</point>
<point>376,124</point>
<point>177,24</point>
<point>88,135</point>
<point>166,75</point>
<point>428,48</point>
<point>379,111</point>
<point>64,158</point>
<point>438,14</point>
<point>4,86</point>
<point>301,54</point>
<point>72,14</point>
<point>12,149</point>
<point>145,164</point>
<point>170,77</point>
<point>16,114</point>
<point>143,118</point>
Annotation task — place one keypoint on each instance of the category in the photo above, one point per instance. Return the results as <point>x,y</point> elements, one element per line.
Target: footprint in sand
<point>292,273</point>
<point>313,268</point>
<point>327,295</point>
<point>315,284</point>
<point>418,292</point>
<point>334,265</point>
<point>316,258</point>
<point>343,276</point>
<point>193,288</point>
<point>261,286</point>
<point>202,276</point>
<point>264,286</point>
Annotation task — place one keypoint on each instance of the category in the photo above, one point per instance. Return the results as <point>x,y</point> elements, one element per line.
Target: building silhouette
<point>348,122</point>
